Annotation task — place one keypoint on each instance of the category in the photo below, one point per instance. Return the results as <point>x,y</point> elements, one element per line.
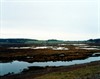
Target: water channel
<point>18,66</point>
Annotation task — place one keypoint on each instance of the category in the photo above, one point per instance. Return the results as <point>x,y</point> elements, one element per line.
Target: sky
<point>50,19</point>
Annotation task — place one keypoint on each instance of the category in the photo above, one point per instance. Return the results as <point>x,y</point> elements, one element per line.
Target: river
<point>18,66</point>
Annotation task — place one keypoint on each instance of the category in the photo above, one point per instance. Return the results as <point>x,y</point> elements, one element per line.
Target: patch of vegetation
<point>89,72</point>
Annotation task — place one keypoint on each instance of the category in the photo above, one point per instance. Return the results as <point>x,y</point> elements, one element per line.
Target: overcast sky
<point>50,19</point>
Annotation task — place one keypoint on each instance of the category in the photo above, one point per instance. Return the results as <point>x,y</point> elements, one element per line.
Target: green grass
<point>75,74</point>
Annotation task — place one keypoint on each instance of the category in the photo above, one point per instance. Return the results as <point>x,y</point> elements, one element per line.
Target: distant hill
<point>94,41</point>
<point>17,40</point>
<point>30,41</point>
<point>27,42</point>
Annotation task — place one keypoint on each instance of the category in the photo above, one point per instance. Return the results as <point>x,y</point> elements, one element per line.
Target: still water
<point>18,66</point>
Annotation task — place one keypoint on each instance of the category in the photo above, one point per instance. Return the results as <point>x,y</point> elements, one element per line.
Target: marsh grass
<point>82,73</point>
